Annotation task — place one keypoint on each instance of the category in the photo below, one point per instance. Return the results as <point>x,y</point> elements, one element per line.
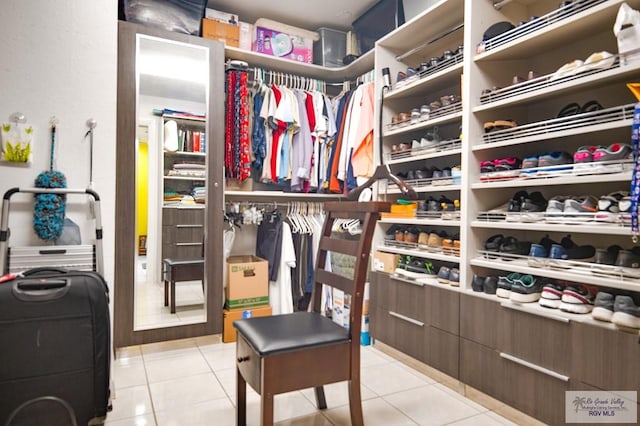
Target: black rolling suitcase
<point>54,342</point>
<point>55,338</point>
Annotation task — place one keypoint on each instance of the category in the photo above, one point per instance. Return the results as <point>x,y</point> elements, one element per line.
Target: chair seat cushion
<point>288,332</point>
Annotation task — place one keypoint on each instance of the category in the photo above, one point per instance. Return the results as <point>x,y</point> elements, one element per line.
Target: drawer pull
<point>540,313</point>
<point>402,280</point>
<point>188,244</point>
<point>189,226</point>
<point>243,358</point>
<point>407,319</point>
<point>534,367</point>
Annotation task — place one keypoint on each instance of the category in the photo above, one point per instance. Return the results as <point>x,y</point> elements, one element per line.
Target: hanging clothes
<point>280,290</point>
<point>237,141</point>
<point>269,242</point>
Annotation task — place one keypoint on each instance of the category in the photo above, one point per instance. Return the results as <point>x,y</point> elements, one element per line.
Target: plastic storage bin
<point>331,48</point>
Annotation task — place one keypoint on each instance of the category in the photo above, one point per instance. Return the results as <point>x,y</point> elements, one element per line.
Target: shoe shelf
<point>422,185</point>
<point>599,228</point>
<point>424,82</point>
<point>604,119</point>
<point>443,115</point>
<point>573,22</point>
<point>412,249</point>
<point>418,221</point>
<point>568,270</point>
<point>425,280</point>
<point>623,175</point>
<point>444,149</point>
<point>554,314</point>
<point>548,86</point>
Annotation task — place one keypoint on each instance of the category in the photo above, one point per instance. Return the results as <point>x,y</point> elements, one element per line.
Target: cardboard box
<point>385,262</point>
<point>215,30</point>
<point>247,282</point>
<point>217,15</point>
<point>283,45</point>
<point>231,315</point>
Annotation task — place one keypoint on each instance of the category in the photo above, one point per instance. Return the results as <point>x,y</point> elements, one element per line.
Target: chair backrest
<point>368,213</point>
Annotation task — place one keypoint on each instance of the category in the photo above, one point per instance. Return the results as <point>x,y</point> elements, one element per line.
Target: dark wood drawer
<point>182,216</point>
<point>407,298</point>
<point>534,391</point>
<point>404,333</point>
<point>183,234</point>
<point>480,368</point>
<point>443,349</point>
<point>444,309</point>
<point>541,340</point>
<point>174,251</point>
<point>479,319</point>
<point>378,290</point>
<point>608,359</point>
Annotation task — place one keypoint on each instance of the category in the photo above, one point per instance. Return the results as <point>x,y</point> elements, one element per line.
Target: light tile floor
<point>192,382</point>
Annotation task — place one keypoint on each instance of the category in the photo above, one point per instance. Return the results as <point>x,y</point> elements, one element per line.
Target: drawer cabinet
<point>182,233</point>
<point>404,297</point>
<point>443,349</point>
<point>480,368</point>
<point>444,309</point>
<point>543,341</point>
<point>479,319</point>
<point>401,332</point>
<point>610,359</point>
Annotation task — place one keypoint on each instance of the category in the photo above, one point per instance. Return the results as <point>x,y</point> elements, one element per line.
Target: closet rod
<point>427,43</point>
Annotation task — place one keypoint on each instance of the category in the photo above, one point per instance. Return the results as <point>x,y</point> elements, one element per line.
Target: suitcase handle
<point>40,290</point>
<point>39,270</point>
<point>65,404</point>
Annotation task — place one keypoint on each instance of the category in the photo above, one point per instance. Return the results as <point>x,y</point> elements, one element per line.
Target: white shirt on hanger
<point>280,297</point>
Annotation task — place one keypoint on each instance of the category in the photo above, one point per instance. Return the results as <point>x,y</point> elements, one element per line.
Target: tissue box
<point>283,45</point>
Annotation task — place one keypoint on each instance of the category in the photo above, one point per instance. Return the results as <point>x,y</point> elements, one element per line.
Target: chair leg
<point>166,293</point>
<point>321,401</point>
<point>266,409</point>
<point>241,399</point>
<point>173,297</point>
<point>355,403</point>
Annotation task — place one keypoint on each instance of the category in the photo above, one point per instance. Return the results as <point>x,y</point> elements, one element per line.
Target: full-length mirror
<point>170,180</point>
<point>169,177</point>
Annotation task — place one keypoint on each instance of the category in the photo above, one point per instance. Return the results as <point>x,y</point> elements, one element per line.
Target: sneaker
<point>608,207</point>
<point>450,209</point>
<point>434,242</point>
<point>454,277</point>
<point>416,268</point>
<point>526,289</point>
<point>583,159</point>
<point>512,248</point>
<point>578,299</point>
<point>628,262</point>
<point>530,162</point>
<point>555,209</point>
<point>614,153</point>
<point>443,274</point>
<point>553,163</point>
<point>515,204</point>
<point>505,283</point>
<point>580,209</point>
<point>604,259</point>
<point>539,252</point>
<point>603,306</point>
<point>492,244</point>
<point>551,295</point>
<point>625,312</point>
<point>533,207</point>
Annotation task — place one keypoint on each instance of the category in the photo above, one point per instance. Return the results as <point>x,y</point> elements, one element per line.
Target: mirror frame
<point>124,274</point>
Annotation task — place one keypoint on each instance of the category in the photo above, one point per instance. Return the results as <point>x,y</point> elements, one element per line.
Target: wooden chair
<point>282,353</point>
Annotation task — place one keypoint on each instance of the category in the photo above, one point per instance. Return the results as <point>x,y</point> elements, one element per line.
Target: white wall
<point>59,58</point>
